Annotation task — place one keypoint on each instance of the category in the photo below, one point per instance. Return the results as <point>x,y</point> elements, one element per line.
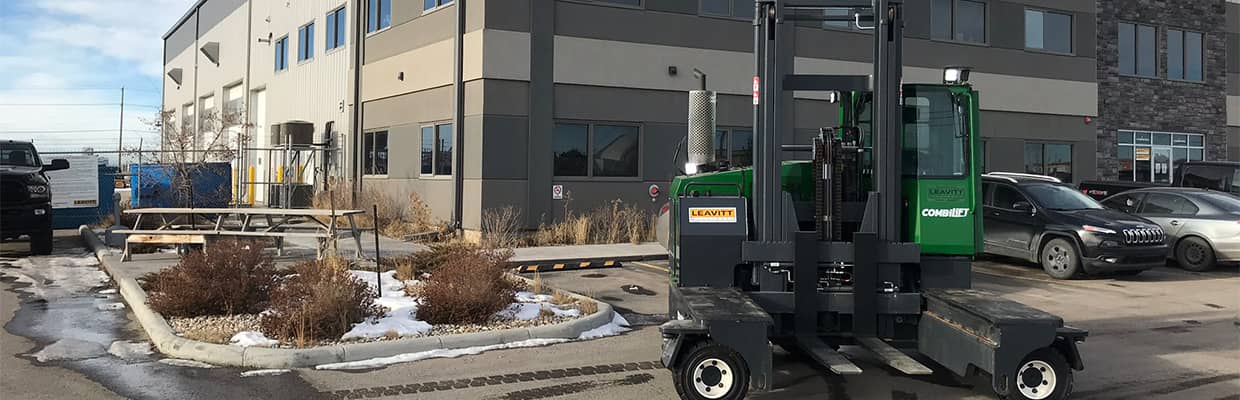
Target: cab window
<point>1167,204</point>
<point>987,196</point>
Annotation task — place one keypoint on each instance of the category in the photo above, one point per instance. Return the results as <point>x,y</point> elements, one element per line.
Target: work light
<point>956,75</point>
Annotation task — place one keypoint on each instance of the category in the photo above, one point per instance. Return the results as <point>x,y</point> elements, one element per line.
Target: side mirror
<point>56,165</point>
<point>1022,206</point>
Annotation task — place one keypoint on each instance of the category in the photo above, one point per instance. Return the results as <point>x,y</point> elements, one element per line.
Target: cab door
<point>1011,222</point>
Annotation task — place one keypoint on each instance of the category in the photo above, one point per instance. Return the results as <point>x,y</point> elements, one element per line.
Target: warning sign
<point>557,192</point>
<point>712,215</point>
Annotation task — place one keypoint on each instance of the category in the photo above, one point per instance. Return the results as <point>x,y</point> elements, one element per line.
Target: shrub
<point>468,289</point>
<point>231,277</point>
<point>427,261</point>
<point>394,218</point>
<point>321,300</point>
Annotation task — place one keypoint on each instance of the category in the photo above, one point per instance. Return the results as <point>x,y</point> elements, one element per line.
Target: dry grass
<point>546,313</point>
<point>427,261</point>
<point>395,218</point>
<point>501,228</point>
<point>613,223</point>
<point>587,307</point>
<point>561,298</point>
<point>536,284</point>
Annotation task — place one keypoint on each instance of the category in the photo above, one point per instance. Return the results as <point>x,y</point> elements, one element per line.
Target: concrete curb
<point>168,343</point>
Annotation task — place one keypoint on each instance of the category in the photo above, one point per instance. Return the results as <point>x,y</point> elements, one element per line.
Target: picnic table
<point>183,226</point>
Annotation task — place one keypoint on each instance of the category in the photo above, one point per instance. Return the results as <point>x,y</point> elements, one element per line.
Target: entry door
<point>1161,160</point>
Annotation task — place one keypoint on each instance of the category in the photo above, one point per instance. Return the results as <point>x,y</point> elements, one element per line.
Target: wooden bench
<point>180,226</point>
<point>203,237</point>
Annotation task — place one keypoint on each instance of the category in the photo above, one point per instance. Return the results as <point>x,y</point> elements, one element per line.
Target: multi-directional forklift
<point>862,236</point>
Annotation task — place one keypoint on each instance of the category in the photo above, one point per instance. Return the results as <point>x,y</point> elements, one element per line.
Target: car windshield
<point>1226,202</point>
<point>1059,197</point>
<point>19,155</point>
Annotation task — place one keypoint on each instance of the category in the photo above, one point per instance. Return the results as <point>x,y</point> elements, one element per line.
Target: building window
<point>599,150</point>
<point>376,147</point>
<point>1184,55</point>
<point>305,42</point>
<point>959,20</point>
<point>429,4</point>
<point>1050,31</point>
<point>1150,156</point>
<point>1051,159</point>
<point>437,149</point>
<point>1136,50</point>
<point>727,8</point>
<point>734,146</point>
<point>282,53</point>
<point>379,15</point>
<point>634,3</point>
<point>336,28</point>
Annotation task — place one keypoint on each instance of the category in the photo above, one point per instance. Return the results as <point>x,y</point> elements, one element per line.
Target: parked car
<point>1202,226</point>
<point>1041,219</point>
<point>25,195</point>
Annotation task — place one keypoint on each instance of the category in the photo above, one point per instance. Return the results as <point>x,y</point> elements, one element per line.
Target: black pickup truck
<point>1223,176</point>
<point>25,195</point>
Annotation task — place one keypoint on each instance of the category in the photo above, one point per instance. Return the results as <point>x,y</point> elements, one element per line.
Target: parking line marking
<point>651,266</point>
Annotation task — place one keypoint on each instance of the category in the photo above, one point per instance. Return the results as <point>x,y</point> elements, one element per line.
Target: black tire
<point>1060,259</point>
<point>720,368</point>
<point>41,244</point>
<point>1195,254</point>
<point>1045,368</point>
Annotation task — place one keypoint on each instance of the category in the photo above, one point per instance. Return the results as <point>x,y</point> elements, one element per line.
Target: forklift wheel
<point>1043,375</point>
<point>711,371</point>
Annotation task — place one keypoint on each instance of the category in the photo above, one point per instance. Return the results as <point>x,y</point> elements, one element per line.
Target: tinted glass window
<point>376,160</point>
<point>1175,54</point>
<point>1207,176</point>
<point>615,150</point>
<point>1058,161</point>
<point>987,196</point>
<point>721,145</point>
<point>1060,197</point>
<point>1006,197</point>
<point>18,155</point>
<point>443,155</point>
<point>1047,30</point>
<point>1225,202</point>
<point>428,150</point>
<point>935,141</point>
<point>1167,204</point>
<point>1145,50</point>
<point>1033,158</point>
<point>569,142</point>
<point>742,147</point>
<point>1192,56</point>
<point>941,19</point>
<point>717,7</point>
<point>971,21</point>
<point>1123,202</point>
<point>1127,49</point>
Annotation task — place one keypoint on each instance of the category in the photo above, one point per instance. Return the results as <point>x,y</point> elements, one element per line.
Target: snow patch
<point>263,372</point>
<point>177,362</point>
<point>617,326</point>
<point>57,276</point>
<point>110,306</point>
<point>130,350</point>
<point>252,338</point>
<point>401,317</point>
<point>107,291</point>
<point>437,353</point>
<point>69,349</point>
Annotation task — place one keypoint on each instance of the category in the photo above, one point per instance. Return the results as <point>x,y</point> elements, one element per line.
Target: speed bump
<point>532,268</point>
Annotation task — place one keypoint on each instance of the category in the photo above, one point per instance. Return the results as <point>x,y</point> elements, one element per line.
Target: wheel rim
<point>1057,258</point>
<point>1036,380</point>
<point>712,378</point>
<point>1194,253</point>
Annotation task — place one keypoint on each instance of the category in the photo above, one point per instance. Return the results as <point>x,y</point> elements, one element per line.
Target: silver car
<point>1202,226</point>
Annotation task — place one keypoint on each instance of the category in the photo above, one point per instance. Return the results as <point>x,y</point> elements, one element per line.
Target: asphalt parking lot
<point>1164,334</point>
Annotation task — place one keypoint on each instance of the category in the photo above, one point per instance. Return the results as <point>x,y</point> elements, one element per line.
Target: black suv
<point>1040,219</point>
<point>25,196</point>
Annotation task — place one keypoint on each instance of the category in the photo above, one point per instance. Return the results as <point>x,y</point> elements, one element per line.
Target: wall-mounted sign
<point>557,192</point>
<point>1142,153</point>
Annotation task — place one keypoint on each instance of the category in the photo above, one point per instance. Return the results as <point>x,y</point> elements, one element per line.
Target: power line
<point>77,105</point>
<point>82,89</point>
<point>77,131</point>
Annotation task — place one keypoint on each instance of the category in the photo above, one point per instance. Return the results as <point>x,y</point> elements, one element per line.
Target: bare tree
<point>189,146</point>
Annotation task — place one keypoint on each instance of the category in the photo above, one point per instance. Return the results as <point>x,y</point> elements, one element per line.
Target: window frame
<point>609,3</point>
<point>368,172</point>
<point>305,43</point>
<point>729,141</point>
<point>1071,31</point>
<point>1043,153</point>
<point>1184,54</point>
<point>281,54</point>
<point>590,150</point>
<point>1136,47</point>
<point>1132,143</point>
<point>952,28</point>
<point>378,17</point>
<point>435,128</point>
<point>340,29</point>
<point>439,4</point>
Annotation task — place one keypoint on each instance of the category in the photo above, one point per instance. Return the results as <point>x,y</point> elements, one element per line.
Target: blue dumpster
<point>159,185</point>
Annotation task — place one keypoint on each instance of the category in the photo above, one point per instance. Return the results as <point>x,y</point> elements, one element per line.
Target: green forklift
<point>862,235</point>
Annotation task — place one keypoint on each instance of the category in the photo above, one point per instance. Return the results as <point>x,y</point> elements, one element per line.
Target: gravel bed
<point>214,329</point>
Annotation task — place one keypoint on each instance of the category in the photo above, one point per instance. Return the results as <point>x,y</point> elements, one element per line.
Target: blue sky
<point>63,62</point>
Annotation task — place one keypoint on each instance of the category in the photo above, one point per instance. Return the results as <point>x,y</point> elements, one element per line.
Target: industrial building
<point>557,105</point>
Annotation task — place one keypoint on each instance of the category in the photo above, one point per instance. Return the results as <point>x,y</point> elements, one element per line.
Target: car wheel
<point>711,371</point>
<point>1195,254</point>
<point>1043,375</point>
<point>41,243</point>
<point>1060,259</point>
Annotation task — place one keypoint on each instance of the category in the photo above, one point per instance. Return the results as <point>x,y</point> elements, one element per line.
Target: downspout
<point>359,47</point>
<point>194,101</point>
<point>243,157</point>
<point>458,161</point>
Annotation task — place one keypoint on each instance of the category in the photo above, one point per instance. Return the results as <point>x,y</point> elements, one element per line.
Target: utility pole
<point>120,133</point>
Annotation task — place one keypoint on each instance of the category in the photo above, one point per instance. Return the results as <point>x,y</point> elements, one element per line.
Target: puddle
<point>594,275</point>
<point>637,290</point>
<point>79,324</point>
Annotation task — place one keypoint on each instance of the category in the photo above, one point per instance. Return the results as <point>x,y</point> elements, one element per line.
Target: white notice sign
<point>78,186</point>
<point>557,192</point>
